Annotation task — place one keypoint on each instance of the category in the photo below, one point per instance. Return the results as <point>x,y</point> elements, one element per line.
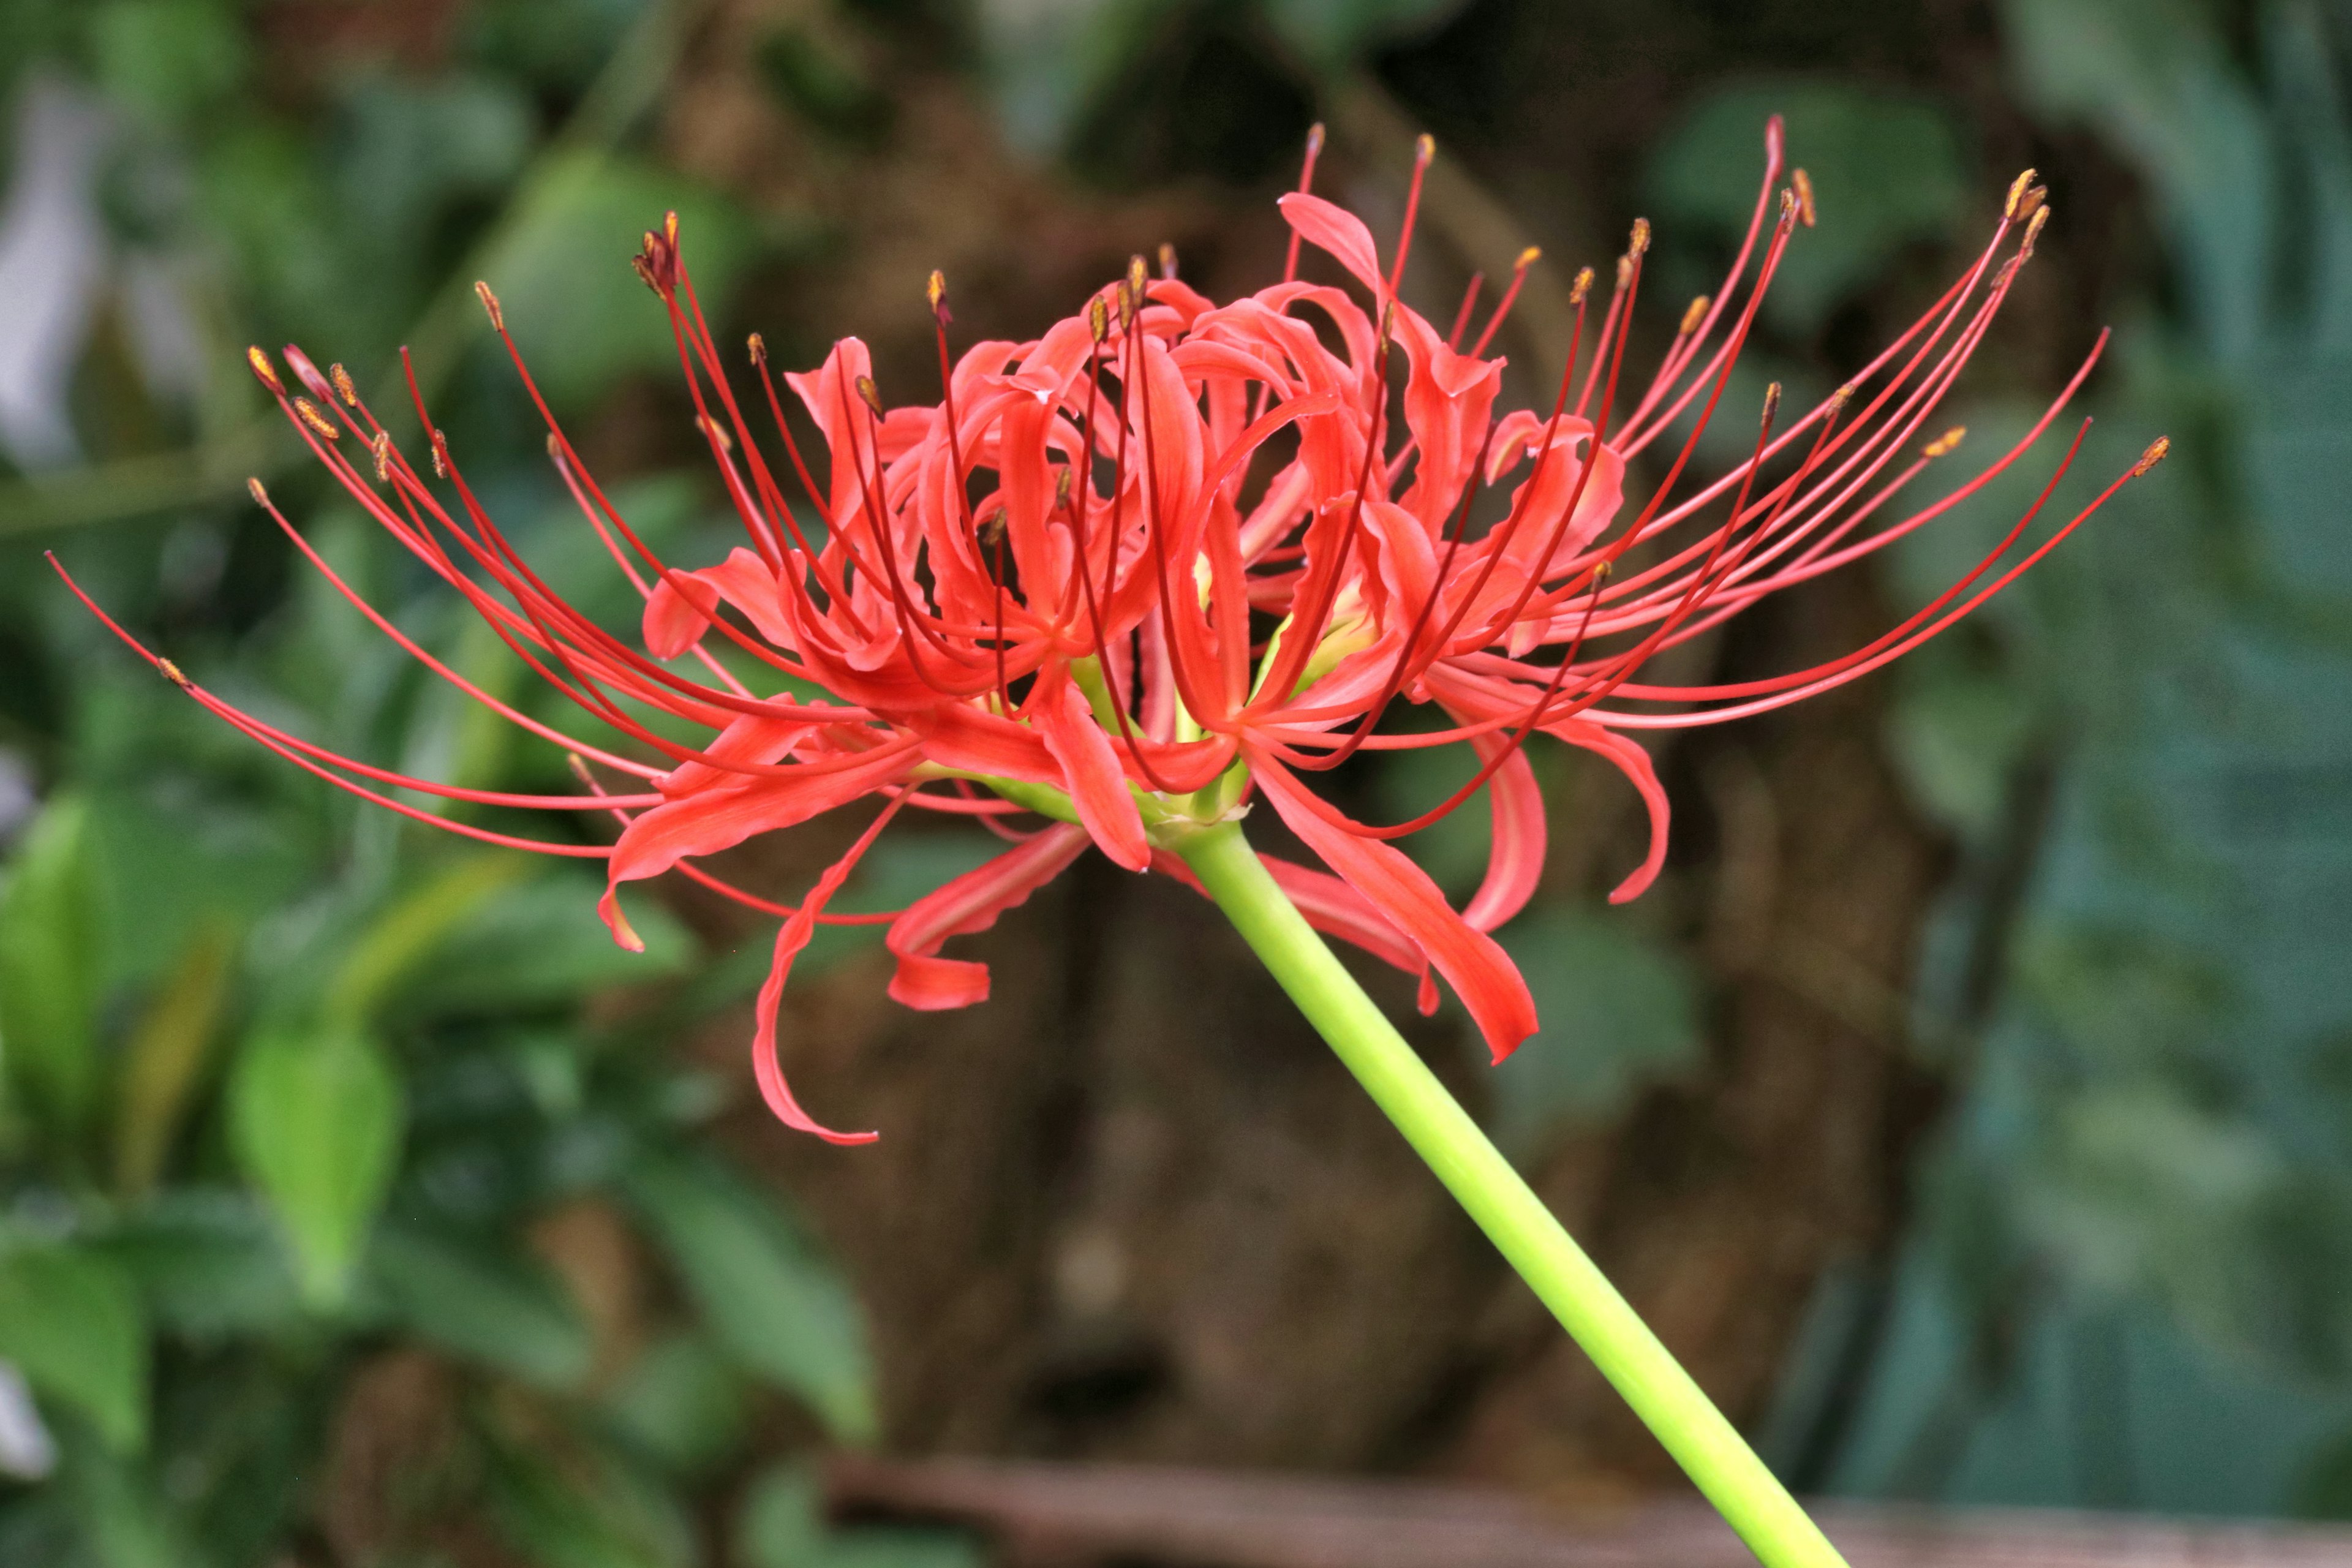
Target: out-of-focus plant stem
<point>628,85</point>
<point>1686,1421</point>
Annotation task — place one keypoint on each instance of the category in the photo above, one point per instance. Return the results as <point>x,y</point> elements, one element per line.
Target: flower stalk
<point>1642,1370</point>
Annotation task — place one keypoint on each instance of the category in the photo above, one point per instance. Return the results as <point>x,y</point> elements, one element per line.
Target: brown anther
<point>260,497</point>
<point>991,528</point>
<point>344,389</point>
<point>2033,201</point>
<point>1842,396</point>
<point>644,270</point>
<point>1641,241</point>
<point>1167,260</point>
<point>1804,188</point>
<point>2006,272</point>
<point>1771,402</point>
<point>2033,226</point>
<point>2011,209</point>
<point>440,455</point>
<point>1528,258</point>
<point>1600,569</point>
<point>1581,287</point>
<point>2153,455</point>
<point>936,290</point>
<point>1388,322</point>
<point>1128,303</point>
<point>1946,443</point>
<point>1624,270</point>
<point>318,423</point>
<point>758,347</point>
<point>1425,148</point>
<point>263,369</point>
<point>1694,315</point>
<point>1788,207</point>
<point>670,228</point>
<point>171,672</point>
<point>490,303</point>
<point>1061,487</point>
<point>716,435</point>
<point>1315,139</point>
<point>381,447</point>
<point>1099,318</point>
<point>871,393</point>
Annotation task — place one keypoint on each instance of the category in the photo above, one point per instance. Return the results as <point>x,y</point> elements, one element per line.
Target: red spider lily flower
<point>1061,588</point>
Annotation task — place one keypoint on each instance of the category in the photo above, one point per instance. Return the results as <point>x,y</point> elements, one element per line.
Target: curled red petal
<point>1480,971</point>
<point>1098,787</point>
<point>1514,863</point>
<point>794,936</point>
<point>967,903</point>
<point>1635,763</point>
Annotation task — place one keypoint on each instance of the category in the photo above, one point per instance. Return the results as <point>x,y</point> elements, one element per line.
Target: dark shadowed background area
<point>1971,1105</point>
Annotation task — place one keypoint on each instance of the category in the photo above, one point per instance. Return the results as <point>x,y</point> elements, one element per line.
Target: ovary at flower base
<point>1168,558</point>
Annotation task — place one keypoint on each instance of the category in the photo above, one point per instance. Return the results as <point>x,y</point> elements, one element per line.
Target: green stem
<point>1705,1445</point>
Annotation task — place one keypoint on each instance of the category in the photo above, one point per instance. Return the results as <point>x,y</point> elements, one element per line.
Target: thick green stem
<point>1705,1445</point>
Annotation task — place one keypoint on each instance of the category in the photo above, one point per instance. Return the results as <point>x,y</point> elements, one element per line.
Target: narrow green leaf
<point>496,1307</point>
<point>779,1308</point>
<point>70,1322</point>
<point>51,966</point>
<point>166,1057</point>
<point>413,928</point>
<point>316,1119</point>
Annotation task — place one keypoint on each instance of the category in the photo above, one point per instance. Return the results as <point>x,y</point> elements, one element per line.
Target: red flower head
<point>1124,633</point>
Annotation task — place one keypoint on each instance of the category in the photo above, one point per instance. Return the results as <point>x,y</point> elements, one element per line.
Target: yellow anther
<point>2033,226</point>
<point>1946,443</point>
<point>343,388</point>
<point>265,369</point>
<point>1581,287</point>
<point>717,433</point>
<point>318,423</point>
<point>758,347</point>
<point>1528,258</point>
<point>171,672</point>
<point>1640,241</point>
<point>440,455</point>
<point>260,497</point>
<point>1315,139</point>
<point>381,447</point>
<point>1167,259</point>
<point>1694,315</point>
<point>1804,188</point>
<point>1099,318</point>
<point>2010,208</point>
<point>490,303</point>
<point>937,289</point>
<point>1425,148</point>
<point>871,393</point>
<point>1771,402</point>
<point>2153,455</point>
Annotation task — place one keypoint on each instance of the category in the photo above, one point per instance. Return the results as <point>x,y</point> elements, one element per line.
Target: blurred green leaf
<point>590,1513</point>
<point>575,307</point>
<point>412,928</point>
<point>681,1402</point>
<point>781,1525</point>
<point>166,1056</point>
<point>2323,1490</point>
<point>316,1120</point>
<point>496,1307</point>
<point>52,963</point>
<point>207,1263</point>
<point>71,1324</point>
<point>1618,1011</point>
<point>778,1307</point>
<point>1886,171</point>
<point>541,943</point>
<point>167,57</point>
